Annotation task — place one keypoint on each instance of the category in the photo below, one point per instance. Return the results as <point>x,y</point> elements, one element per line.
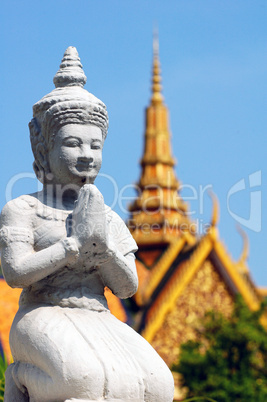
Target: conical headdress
<point>68,103</point>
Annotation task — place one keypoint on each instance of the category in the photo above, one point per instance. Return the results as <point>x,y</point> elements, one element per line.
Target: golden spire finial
<point>215,209</point>
<point>156,78</point>
<point>245,252</point>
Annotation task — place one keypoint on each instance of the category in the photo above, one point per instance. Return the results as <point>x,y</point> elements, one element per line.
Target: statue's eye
<point>72,143</point>
<point>96,145</point>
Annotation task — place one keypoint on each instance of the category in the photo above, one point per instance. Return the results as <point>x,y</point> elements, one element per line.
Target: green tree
<point>3,367</point>
<point>228,362</point>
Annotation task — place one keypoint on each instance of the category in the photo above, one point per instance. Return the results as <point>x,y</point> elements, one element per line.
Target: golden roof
<point>157,304</point>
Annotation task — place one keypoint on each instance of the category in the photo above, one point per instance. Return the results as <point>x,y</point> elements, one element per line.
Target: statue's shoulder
<point>111,215</point>
<point>119,232</point>
<point>115,221</point>
<point>19,211</point>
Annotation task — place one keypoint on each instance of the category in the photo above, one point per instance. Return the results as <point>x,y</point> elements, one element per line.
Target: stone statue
<point>63,245</point>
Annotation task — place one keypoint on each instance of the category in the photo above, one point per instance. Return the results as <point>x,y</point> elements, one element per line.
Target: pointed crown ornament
<point>68,103</point>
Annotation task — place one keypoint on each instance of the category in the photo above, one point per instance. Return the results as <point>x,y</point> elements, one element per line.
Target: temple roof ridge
<point>208,247</point>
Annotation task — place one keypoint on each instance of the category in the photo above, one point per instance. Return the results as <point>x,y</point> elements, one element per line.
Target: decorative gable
<point>206,291</point>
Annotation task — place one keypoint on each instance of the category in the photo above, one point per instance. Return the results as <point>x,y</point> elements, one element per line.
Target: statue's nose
<point>86,154</point>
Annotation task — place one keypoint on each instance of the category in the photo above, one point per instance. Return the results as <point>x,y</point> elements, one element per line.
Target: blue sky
<point>214,67</point>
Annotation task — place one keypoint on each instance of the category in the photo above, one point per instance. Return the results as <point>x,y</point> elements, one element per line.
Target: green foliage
<point>228,362</point>
<point>3,367</point>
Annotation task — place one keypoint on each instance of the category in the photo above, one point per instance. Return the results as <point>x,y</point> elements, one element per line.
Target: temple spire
<point>157,97</point>
<point>158,213</point>
<point>155,42</point>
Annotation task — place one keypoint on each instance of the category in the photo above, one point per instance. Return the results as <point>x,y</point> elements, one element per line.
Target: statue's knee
<point>14,391</point>
<point>169,388</point>
<point>160,385</point>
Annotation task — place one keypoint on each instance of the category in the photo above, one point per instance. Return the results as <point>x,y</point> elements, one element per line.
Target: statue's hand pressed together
<point>89,226</point>
<point>90,231</point>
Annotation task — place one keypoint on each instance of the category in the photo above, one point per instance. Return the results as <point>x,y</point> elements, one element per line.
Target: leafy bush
<point>228,362</point>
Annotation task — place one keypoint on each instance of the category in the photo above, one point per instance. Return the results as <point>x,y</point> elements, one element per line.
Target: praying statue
<point>64,246</point>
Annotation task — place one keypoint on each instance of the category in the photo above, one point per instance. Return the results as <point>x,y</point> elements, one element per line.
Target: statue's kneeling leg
<point>42,387</point>
<point>159,385</point>
<point>13,391</point>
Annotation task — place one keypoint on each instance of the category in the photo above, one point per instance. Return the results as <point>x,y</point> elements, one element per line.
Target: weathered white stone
<point>63,245</point>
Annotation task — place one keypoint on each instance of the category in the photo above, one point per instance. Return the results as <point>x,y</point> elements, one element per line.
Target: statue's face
<point>76,155</point>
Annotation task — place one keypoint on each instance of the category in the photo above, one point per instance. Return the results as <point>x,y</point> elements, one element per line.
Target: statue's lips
<point>83,167</point>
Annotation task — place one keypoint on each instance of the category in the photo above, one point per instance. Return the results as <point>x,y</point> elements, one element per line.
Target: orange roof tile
<point>115,305</point>
<point>9,304</point>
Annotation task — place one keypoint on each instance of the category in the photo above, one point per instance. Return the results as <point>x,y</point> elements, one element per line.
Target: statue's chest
<point>50,227</point>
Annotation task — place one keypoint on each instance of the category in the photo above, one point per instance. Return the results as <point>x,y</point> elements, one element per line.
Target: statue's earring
<point>42,153</point>
<point>42,159</point>
<point>49,176</point>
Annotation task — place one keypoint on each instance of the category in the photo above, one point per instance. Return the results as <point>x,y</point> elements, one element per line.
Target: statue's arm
<point>22,266</point>
<point>119,274</point>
